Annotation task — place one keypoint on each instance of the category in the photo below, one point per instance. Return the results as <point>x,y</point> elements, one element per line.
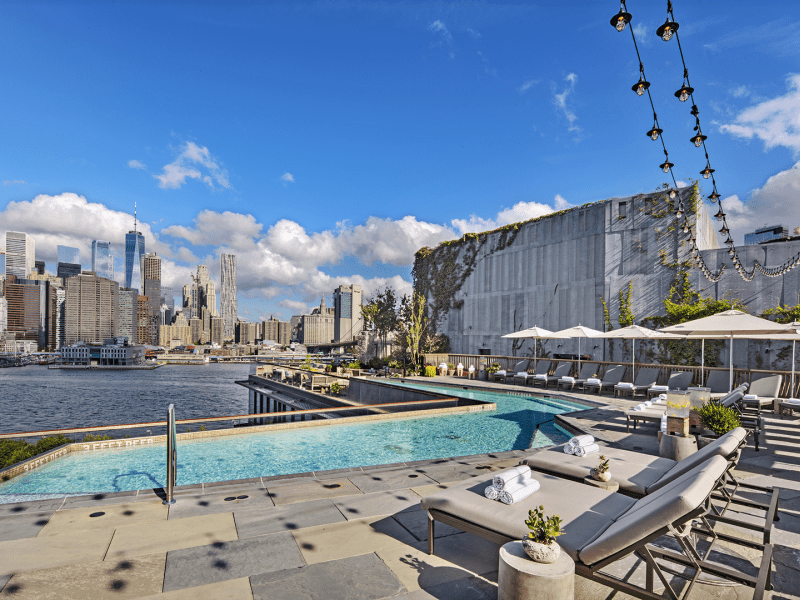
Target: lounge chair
<point>562,370</point>
<point>520,376</point>
<point>642,474</point>
<point>645,379</point>
<point>611,378</point>
<point>602,527</point>
<point>719,384</point>
<point>569,383</point>
<point>765,389</point>
<point>678,381</point>
<point>540,372</point>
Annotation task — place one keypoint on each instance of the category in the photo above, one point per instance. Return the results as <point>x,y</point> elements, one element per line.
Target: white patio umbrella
<point>729,323</point>
<point>636,332</point>
<point>534,333</point>
<point>579,331</point>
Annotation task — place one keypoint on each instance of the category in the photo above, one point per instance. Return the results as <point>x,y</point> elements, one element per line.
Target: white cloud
<point>295,305</point>
<point>14,182</point>
<point>521,211</point>
<point>287,178</point>
<point>136,164</point>
<point>445,38</point>
<point>476,35</point>
<point>740,92</point>
<point>776,122</point>
<point>560,101</point>
<point>527,85</point>
<point>187,166</point>
<point>644,35</point>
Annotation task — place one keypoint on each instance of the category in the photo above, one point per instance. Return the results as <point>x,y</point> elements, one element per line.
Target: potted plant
<point>336,389</point>
<point>717,418</point>
<point>430,371</point>
<point>492,369</point>
<point>540,545</point>
<point>601,471</point>
<point>451,369</point>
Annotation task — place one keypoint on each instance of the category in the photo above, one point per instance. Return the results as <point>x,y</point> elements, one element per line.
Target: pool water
<point>511,427</point>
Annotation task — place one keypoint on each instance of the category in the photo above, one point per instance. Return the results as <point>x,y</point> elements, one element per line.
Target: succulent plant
<point>544,530</point>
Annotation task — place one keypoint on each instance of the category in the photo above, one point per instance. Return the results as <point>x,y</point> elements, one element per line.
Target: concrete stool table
<point>520,578</point>
<point>677,447</point>
<point>612,485</point>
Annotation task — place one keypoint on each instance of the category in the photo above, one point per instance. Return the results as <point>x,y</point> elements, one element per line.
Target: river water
<point>36,398</point>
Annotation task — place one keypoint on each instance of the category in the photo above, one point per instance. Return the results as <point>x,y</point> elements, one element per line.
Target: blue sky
<point>324,143</point>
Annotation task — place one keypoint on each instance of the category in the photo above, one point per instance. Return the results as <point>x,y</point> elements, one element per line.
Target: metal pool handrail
<point>172,455</point>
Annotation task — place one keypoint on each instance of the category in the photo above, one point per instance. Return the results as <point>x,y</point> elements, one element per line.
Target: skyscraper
<point>69,255</point>
<point>134,250</point>
<point>92,309</point>
<point>227,263</point>
<point>151,276</point>
<point>102,261</point>
<point>347,322</point>
<point>20,254</point>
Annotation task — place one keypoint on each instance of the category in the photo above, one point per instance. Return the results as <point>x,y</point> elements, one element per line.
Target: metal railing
<point>172,455</point>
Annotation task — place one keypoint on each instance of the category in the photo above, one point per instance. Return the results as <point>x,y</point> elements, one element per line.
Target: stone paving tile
<point>337,473</point>
<point>23,525</point>
<point>427,490</point>
<point>417,569</point>
<point>207,504</point>
<point>304,490</point>
<point>455,472</point>
<point>233,589</point>
<point>471,553</point>
<point>468,588</point>
<point>363,577</point>
<point>52,551</point>
<point>32,506</point>
<point>251,522</point>
<point>376,481</point>
<point>417,524</point>
<point>231,560</point>
<point>163,536</point>
<point>378,503</point>
<point>99,580</point>
<point>115,515</point>
<point>340,540</point>
<point>104,498</point>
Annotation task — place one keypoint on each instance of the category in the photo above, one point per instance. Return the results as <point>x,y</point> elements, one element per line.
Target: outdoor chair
<point>569,383</point>
<point>719,384</point>
<point>645,379</point>
<point>611,378</point>
<point>640,474</point>
<point>520,376</point>
<point>678,381</point>
<point>562,370</point>
<point>602,527</point>
<point>763,392</point>
<point>539,373</point>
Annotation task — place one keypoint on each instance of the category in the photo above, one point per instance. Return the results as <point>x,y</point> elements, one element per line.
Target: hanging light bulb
<point>666,165</point>
<point>667,30</point>
<point>698,140</point>
<point>686,227</point>
<point>654,132</point>
<point>731,251</point>
<point>640,87</point>
<point>672,193</point>
<point>724,230</point>
<point>684,93</point>
<point>706,173</point>
<point>621,19</point>
<point>720,215</point>
<point>714,196</point>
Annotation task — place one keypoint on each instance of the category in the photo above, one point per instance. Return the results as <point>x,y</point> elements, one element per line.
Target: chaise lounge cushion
<point>581,520</point>
<point>654,512</point>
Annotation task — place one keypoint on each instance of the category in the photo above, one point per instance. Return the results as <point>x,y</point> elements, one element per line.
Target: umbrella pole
<point>633,356</point>
<point>794,343</point>
<point>534,355</point>
<point>702,360</point>
<point>731,364</point>
<point>579,356</point>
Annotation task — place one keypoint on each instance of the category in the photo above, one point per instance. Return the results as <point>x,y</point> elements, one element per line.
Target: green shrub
<point>96,438</point>
<point>543,530</point>
<point>451,366</point>
<point>336,388</point>
<point>354,365</point>
<point>430,371</point>
<point>15,451</point>
<point>493,368</point>
<point>719,419</point>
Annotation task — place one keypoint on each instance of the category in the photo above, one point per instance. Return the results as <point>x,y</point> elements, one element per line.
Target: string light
<point>622,18</point>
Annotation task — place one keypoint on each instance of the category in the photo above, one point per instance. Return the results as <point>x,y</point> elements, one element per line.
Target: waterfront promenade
<point>357,533</point>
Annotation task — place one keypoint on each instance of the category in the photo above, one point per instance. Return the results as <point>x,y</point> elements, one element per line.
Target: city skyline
<point>458,119</point>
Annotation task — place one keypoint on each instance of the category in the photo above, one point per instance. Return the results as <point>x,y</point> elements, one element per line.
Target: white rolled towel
<point>491,492</point>
<point>584,450</point>
<point>647,403</point>
<point>664,424</point>
<point>751,397</point>
<point>593,380</point>
<point>659,388</point>
<point>503,372</point>
<point>581,440</point>
<point>519,491</point>
<point>504,478</point>
<point>625,384</point>
<point>521,374</point>
<point>540,376</point>
<point>569,449</point>
<point>568,379</point>
<point>639,407</point>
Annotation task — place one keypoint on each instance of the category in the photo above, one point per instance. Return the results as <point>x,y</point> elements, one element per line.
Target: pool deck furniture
<point>678,381</point>
<point>766,389</point>
<point>611,377</point>
<point>719,384</point>
<point>645,379</point>
<point>520,578</point>
<point>562,370</point>
<point>539,373</point>
<point>587,371</point>
<point>602,528</point>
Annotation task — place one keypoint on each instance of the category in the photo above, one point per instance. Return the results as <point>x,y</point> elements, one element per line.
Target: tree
<point>413,323</point>
<point>380,312</point>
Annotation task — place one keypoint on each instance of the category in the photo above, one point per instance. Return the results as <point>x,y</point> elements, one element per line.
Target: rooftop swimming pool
<point>511,427</point>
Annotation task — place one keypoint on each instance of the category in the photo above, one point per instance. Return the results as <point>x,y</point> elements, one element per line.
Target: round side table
<point>677,447</point>
<point>520,578</point>
<point>612,485</point>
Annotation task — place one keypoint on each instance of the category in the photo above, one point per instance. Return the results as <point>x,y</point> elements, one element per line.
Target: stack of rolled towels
<point>593,380</point>
<point>512,486</point>
<point>568,379</point>
<point>581,445</point>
